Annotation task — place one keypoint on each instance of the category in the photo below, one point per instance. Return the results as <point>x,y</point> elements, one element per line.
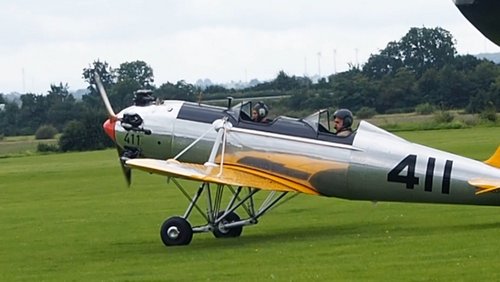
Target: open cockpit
<point>315,126</point>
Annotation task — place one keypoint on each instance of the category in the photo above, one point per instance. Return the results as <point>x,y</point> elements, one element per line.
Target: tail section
<point>494,160</point>
<point>486,185</point>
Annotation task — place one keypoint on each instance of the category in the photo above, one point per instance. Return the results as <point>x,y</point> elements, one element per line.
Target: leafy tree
<point>121,95</point>
<point>107,76</point>
<point>315,101</point>
<point>137,71</point>
<point>304,82</point>
<point>295,101</point>
<point>387,62</point>
<point>131,76</point>
<point>61,106</point>
<point>428,87</point>
<point>33,113</point>
<point>485,75</point>
<point>419,50</point>
<point>58,93</point>
<point>397,92</point>
<point>181,90</point>
<point>285,82</point>
<point>9,119</point>
<point>424,48</point>
<point>465,63</point>
<point>353,90</point>
<point>495,93</point>
<point>71,138</point>
<point>453,88</point>
<point>485,82</point>
<point>84,134</point>
<point>212,89</point>
<point>105,72</point>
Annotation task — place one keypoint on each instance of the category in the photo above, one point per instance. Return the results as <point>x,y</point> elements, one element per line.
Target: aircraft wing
<point>485,185</point>
<point>231,175</point>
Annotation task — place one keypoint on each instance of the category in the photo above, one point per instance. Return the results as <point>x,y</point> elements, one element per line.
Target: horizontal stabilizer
<point>485,185</point>
<point>230,175</point>
<point>494,160</point>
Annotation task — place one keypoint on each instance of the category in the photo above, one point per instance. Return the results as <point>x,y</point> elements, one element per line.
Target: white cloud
<point>223,40</point>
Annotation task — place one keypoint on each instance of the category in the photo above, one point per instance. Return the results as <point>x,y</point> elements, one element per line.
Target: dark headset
<point>262,109</point>
<point>347,121</point>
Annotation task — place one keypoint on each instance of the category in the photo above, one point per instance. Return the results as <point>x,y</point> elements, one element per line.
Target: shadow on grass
<point>336,234</point>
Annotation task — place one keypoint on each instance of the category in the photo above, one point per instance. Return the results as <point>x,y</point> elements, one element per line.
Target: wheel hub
<point>221,227</point>
<point>173,232</point>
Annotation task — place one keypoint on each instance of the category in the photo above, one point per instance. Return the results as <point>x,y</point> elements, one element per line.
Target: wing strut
<point>216,126</point>
<point>221,126</point>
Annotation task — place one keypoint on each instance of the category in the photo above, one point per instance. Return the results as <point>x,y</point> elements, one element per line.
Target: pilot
<point>259,112</point>
<point>343,119</point>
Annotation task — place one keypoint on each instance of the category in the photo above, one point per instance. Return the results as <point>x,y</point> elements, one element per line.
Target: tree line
<point>421,67</point>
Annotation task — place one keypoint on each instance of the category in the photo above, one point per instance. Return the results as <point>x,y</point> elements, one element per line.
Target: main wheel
<point>176,231</point>
<point>222,232</point>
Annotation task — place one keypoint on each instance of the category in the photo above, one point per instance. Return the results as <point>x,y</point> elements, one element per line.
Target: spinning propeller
<point>109,128</point>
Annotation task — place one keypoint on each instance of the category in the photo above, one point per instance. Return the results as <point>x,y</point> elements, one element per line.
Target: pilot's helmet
<point>345,115</point>
<point>261,109</point>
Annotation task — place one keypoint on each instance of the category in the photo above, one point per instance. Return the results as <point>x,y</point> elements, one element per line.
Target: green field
<point>21,145</point>
<point>66,217</point>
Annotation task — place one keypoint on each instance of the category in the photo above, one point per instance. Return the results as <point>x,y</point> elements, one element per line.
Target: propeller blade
<point>109,127</point>
<point>104,96</point>
<point>127,172</point>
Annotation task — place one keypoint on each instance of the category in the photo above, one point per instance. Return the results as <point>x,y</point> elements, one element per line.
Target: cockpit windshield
<point>243,109</point>
<point>319,121</point>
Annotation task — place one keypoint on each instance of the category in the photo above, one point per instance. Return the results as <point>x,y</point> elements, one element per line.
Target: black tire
<point>229,232</point>
<point>176,231</point>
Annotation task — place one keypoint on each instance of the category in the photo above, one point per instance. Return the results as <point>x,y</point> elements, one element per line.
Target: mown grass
<point>67,217</point>
<point>435,121</point>
<point>478,142</point>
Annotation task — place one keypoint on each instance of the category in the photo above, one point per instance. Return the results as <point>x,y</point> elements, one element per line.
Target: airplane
<point>224,150</point>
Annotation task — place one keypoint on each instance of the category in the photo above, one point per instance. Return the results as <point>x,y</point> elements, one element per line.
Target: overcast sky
<point>51,41</point>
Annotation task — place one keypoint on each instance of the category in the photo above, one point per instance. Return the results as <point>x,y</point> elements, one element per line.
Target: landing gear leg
<point>223,222</point>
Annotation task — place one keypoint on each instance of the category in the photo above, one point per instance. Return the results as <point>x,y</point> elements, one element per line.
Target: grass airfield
<point>69,217</point>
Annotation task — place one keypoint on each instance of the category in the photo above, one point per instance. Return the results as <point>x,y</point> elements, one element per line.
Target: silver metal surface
<point>368,172</point>
<point>361,171</point>
<point>173,232</point>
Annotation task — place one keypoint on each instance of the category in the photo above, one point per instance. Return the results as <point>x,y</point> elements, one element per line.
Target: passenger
<point>343,119</point>
<point>259,112</point>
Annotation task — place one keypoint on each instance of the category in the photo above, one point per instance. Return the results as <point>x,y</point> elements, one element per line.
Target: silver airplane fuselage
<point>372,164</point>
